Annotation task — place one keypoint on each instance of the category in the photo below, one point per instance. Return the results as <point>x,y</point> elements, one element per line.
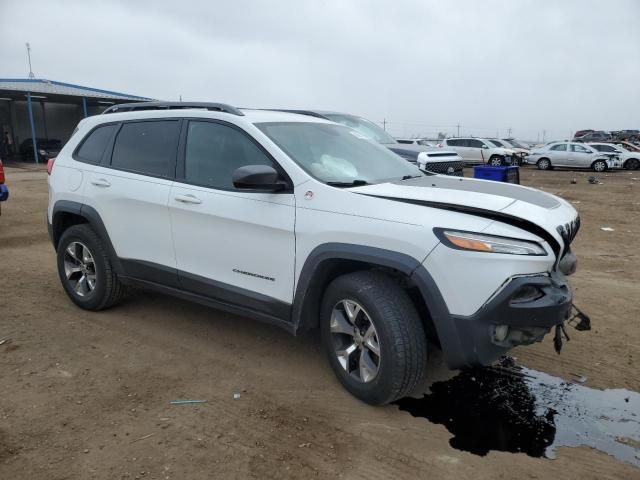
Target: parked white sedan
<point>629,160</point>
<point>571,155</point>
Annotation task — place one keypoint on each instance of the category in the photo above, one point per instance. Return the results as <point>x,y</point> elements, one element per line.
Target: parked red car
<point>4,190</point>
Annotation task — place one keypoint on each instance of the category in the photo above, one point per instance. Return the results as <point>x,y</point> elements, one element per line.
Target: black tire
<point>599,166</point>
<point>496,161</point>
<point>107,289</point>
<point>400,335</point>
<point>632,164</point>
<point>544,164</point>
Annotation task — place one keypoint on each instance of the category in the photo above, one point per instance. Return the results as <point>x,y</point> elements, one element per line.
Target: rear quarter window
<point>95,143</point>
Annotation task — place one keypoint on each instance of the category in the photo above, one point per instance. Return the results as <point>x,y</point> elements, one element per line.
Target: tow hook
<point>584,324</point>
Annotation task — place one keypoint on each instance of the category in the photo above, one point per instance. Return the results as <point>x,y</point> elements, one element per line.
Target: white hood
<point>534,206</point>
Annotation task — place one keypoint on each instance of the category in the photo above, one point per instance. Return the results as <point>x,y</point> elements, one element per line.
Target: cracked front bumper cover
<point>529,317</point>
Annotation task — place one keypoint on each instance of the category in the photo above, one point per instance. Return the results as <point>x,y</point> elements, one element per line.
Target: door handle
<point>101,182</point>
<point>187,198</point>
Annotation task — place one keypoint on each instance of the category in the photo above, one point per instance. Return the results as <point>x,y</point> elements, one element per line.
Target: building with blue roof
<point>34,108</point>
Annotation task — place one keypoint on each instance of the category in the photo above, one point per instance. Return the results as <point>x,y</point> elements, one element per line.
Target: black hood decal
<point>481,212</point>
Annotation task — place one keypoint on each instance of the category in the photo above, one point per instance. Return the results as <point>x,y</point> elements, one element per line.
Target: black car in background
<point>595,136</point>
<point>47,148</point>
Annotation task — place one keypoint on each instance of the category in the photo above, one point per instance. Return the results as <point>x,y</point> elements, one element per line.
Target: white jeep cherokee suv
<point>303,223</point>
<point>476,151</point>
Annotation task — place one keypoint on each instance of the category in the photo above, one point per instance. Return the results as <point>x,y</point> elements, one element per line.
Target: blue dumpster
<point>510,174</point>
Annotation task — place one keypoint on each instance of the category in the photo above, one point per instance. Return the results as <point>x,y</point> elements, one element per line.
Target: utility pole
<point>31,75</point>
<point>458,126</point>
<point>544,134</point>
<point>384,124</point>
<point>509,134</point>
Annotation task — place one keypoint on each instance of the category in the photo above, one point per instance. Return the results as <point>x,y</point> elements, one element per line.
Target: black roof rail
<point>309,113</point>
<point>138,106</point>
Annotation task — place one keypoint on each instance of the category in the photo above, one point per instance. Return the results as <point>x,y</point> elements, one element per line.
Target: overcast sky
<point>424,66</point>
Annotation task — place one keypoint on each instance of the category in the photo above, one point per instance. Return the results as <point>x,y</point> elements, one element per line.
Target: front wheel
<point>599,166</point>
<point>544,164</point>
<point>495,161</point>
<point>373,337</point>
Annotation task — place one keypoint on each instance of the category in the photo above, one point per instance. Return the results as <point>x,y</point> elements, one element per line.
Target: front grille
<point>445,168</point>
<point>442,154</point>
<point>568,231</point>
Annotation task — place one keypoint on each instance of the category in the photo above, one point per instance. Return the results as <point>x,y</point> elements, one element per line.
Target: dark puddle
<point>516,410</point>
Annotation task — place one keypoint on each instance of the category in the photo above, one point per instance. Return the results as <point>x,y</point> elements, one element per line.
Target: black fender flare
<point>405,264</point>
<point>93,219</point>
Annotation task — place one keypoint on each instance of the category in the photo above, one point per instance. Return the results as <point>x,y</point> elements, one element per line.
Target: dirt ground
<point>86,395</point>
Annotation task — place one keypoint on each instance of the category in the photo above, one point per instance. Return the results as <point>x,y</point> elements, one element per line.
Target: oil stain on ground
<point>516,409</point>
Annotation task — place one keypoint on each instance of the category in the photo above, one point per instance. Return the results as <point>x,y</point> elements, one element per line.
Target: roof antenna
<point>31,75</point>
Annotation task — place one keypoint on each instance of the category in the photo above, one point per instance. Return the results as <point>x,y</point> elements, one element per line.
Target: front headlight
<point>478,242</point>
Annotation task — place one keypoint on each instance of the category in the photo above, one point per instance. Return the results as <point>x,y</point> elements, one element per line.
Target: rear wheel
<point>599,166</point>
<point>544,164</point>
<point>632,164</point>
<point>373,337</point>
<point>85,269</point>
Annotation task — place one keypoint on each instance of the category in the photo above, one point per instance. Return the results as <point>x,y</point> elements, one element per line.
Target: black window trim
<point>78,158</point>
<point>171,167</point>
<point>182,146</point>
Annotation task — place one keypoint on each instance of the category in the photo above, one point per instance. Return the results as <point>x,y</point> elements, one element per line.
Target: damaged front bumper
<point>521,313</point>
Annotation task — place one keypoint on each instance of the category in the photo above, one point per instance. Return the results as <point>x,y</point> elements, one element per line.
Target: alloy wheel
<point>600,166</point>
<point>80,268</point>
<point>355,340</point>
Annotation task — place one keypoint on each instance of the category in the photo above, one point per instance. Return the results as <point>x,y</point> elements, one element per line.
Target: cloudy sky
<point>423,66</point>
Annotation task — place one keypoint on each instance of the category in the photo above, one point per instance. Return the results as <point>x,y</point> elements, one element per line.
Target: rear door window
<point>148,148</point>
<point>579,148</point>
<point>94,145</point>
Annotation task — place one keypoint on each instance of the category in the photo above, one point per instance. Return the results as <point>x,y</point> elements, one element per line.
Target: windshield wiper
<point>408,177</point>
<point>354,183</point>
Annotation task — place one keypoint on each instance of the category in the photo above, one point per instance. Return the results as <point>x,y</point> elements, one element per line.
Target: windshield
<point>516,144</point>
<point>365,127</point>
<point>337,154</point>
<point>496,143</point>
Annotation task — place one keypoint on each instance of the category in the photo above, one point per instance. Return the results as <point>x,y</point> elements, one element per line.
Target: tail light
<point>50,163</point>
<point>1,173</point>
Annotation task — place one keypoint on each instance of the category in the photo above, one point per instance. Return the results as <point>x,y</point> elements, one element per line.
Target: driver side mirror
<point>258,177</point>
<point>485,146</point>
